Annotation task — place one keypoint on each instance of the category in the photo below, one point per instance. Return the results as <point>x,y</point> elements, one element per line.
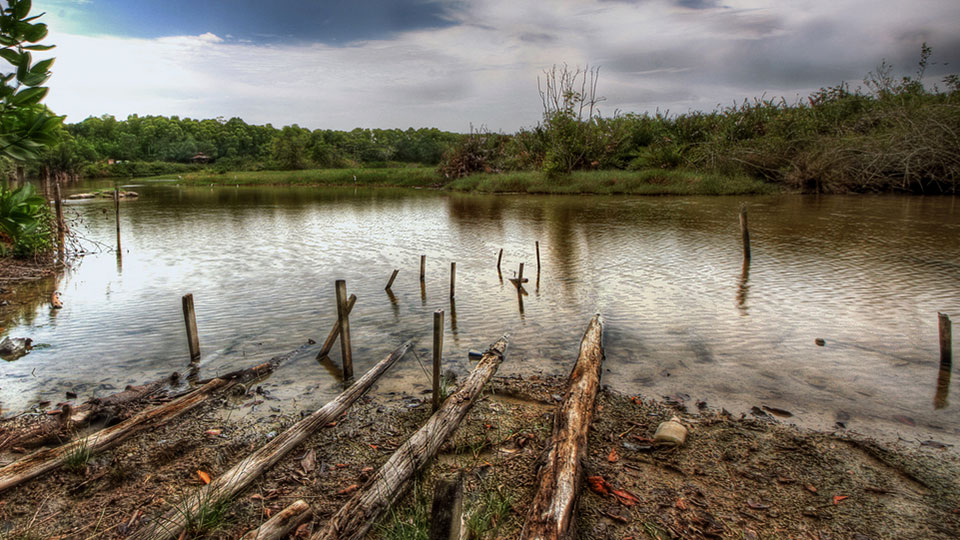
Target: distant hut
<point>201,158</point>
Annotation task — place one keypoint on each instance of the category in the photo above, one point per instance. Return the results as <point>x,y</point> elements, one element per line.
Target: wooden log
<point>423,267</point>
<point>116,207</point>
<point>393,276</point>
<point>453,278</point>
<point>282,523</point>
<point>946,340</point>
<point>745,233</point>
<point>335,331</point>
<point>552,510</point>
<point>437,355</point>
<point>357,516</point>
<point>190,320</point>
<point>61,225</point>
<point>241,475</point>
<point>42,461</point>
<point>445,513</point>
<point>346,352</point>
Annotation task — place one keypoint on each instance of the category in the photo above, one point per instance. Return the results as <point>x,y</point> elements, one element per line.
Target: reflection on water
<point>866,274</point>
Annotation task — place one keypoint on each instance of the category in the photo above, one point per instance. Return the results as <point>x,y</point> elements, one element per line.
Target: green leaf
<point>35,33</point>
<point>24,66</point>
<point>7,41</point>
<point>30,96</point>
<point>11,56</point>
<point>21,9</point>
<point>39,47</point>
<point>42,66</point>
<point>34,79</point>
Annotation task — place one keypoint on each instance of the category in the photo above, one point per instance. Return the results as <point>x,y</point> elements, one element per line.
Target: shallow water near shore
<point>684,317</point>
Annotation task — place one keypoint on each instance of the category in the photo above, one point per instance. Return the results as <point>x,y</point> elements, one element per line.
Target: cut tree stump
<point>280,525</point>
<point>358,515</point>
<point>551,513</point>
<point>241,475</point>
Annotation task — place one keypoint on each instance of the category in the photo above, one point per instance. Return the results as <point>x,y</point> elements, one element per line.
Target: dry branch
<point>281,524</point>
<point>551,514</point>
<point>355,519</point>
<point>241,475</point>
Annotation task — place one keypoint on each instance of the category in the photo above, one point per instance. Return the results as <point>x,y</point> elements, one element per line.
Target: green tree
<point>26,126</point>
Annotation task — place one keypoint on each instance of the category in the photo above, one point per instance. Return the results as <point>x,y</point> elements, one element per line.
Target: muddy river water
<point>685,318</point>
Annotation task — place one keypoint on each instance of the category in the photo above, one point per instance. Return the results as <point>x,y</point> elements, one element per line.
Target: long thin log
<point>335,331</point>
<point>241,475</point>
<point>551,513</point>
<point>355,518</point>
<point>280,525</point>
<point>42,461</point>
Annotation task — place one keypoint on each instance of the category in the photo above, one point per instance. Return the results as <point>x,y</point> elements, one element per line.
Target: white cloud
<point>483,70</point>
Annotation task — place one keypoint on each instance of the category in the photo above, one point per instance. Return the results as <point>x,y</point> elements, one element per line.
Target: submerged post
<point>190,319</point>
<point>392,277</point>
<point>538,256</point>
<point>453,278</point>
<point>423,267</point>
<point>437,355</point>
<point>745,233</point>
<point>343,314</point>
<point>61,226</point>
<point>116,208</point>
<point>499,258</point>
<point>946,341</point>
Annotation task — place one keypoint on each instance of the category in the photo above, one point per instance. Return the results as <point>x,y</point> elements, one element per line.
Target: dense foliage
<point>25,222</point>
<point>893,134</point>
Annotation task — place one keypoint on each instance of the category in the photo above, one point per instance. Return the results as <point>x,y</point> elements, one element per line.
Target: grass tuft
<point>77,459</point>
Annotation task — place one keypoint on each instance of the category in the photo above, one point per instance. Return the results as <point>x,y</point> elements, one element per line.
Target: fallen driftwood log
<point>280,525</point>
<point>58,428</point>
<point>551,513</point>
<point>42,461</point>
<point>241,475</point>
<point>355,519</point>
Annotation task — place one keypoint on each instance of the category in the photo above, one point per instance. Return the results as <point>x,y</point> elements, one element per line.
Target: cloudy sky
<point>342,64</point>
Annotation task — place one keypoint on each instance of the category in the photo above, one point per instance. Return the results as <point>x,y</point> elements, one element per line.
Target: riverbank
<point>606,182</point>
<point>734,478</point>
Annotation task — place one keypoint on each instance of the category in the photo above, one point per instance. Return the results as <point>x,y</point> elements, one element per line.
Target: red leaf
<point>681,504</point>
<point>204,476</point>
<point>838,498</point>
<point>598,485</point>
<point>625,497</point>
<point>613,457</point>
<point>349,489</point>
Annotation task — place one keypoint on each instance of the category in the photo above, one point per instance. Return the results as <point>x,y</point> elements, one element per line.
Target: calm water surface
<point>684,317</point>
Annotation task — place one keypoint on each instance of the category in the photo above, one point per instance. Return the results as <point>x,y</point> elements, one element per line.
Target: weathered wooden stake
<point>499,258</point>
<point>393,276</point>
<point>190,319</point>
<point>520,275</point>
<point>943,388</point>
<point>538,256</point>
<point>61,226</point>
<point>116,207</point>
<point>346,353</point>
<point>447,508</point>
<point>335,331</point>
<point>745,233</point>
<point>423,267</point>
<point>946,341</point>
<point>437,355</point>
<point>453,278</point>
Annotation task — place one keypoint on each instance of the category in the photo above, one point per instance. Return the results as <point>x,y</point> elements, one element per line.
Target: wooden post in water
<point>538,256</point>
<point>61,226</point>
<point>335,331</point>
<point>520,276</point>
<point>423,267</point>
<point>116,208</point>
<point>446,510</point>
<point>190,319</point>
<point>437,355</point>
<point>453,278</point>
<point>392,277</point>
<point>499,258</point>
<point>745,233</point>
<point>946,341</point>
<point>343,316</point>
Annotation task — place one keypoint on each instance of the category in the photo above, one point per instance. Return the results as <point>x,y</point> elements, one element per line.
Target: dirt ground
<point>751,477</point>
